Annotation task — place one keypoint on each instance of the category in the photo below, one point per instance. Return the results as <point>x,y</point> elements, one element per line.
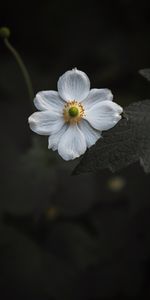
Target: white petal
<point>97,95</point>
<point>73,85</point>
<point>48,100</point>
<point>72,144</point>
<point>104,115</point>
<point>45,122</point>
<point>91,135</point>
<point>54,139</point>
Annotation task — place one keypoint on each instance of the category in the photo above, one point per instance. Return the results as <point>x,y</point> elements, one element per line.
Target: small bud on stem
<point>5,34</point>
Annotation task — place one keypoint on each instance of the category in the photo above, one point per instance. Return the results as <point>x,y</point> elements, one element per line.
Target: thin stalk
<point>22,68</point>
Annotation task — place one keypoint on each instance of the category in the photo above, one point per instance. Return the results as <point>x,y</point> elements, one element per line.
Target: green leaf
<point>126,143</point>
<point>145,73</point>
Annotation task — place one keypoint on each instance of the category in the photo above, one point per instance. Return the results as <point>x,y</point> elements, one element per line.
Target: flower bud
<point>4,32</point>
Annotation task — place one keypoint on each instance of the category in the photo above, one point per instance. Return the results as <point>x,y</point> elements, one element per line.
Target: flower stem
<point>5,34</point>
<point>22,67</point>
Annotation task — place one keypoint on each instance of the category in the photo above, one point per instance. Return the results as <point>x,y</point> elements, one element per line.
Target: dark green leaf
<point>126,143</point>
<point>145,73</point>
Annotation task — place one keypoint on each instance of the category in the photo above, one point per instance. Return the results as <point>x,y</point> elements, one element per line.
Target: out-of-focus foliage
<point>62,236</point>
<point>126,143</point>
<point>145,73</point>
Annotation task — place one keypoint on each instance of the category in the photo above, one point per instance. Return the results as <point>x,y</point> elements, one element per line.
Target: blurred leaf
<point>145,73</point>
<point>73,244</point>
<point>126,143</point>
<point>29,267</point>
<point>33,182</point>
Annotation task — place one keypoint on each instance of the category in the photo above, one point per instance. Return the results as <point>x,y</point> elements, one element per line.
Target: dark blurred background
<point>62,236</point>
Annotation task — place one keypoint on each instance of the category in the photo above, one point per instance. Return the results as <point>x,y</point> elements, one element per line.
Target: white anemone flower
<point>75,116</point>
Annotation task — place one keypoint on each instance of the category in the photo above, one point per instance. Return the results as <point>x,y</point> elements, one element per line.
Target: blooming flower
<point>75,116</point>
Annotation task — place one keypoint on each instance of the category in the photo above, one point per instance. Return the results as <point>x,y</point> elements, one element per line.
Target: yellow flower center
<point>73,112</point>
